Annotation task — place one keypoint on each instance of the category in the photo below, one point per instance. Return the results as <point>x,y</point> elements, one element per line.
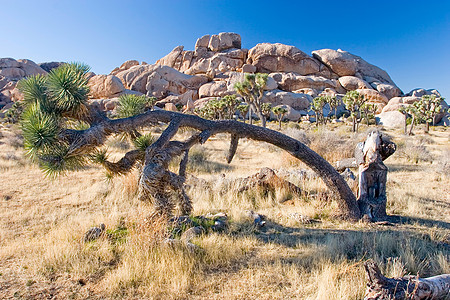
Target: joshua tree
<point>368,111</point>
<point>56,101</point>
<point>219,108</point>
<point>265,110</point>
<point>243,109</point>
<point>279,111</point>
<point>317,107</point>
<point>427,108</point>
<point>334,103</point>
<point>353,102</point>
<point>405,111</point>
<point>252,90</point>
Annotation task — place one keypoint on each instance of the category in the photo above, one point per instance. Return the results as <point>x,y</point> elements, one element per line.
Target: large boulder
<point>346,64</point>
<point>213,89</point>
<point>48,66</point>
<point>125,66</point>
<point>18,69</point>
<point>294,100</point>
<point>159,81</point>
<point>374,97</point>
<point>419,92</point>
<point>391,119</point>
<point>270,58</point>
<point>340,62</point>
<point>224,41</point>
<point>351,83</point>
<point>105,86</point>
<point>291,81</point>
<point>30,67</point>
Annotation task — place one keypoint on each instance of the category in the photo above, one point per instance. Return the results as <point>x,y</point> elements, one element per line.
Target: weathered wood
<point>380,287</point>
<point>233,147</point>
<point>372,179</point>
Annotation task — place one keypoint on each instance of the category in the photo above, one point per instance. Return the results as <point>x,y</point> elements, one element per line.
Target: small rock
<point>302,218</point>
<point>94,233</point>
<point>191,233</point>
<point>258,220</point>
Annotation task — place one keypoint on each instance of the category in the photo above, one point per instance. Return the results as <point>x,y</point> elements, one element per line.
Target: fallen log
<point>380,287</point>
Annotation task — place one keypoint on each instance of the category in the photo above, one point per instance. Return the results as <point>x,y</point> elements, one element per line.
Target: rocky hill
<point>193,77</point>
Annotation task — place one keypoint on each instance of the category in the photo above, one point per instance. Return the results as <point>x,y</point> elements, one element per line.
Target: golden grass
<point>42,223</point>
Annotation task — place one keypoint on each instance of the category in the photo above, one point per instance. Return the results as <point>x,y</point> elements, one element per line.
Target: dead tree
<point>380,287</point>
<point>373,175</point>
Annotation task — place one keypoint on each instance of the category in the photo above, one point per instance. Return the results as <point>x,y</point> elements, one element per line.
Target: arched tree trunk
<point>335,182</point>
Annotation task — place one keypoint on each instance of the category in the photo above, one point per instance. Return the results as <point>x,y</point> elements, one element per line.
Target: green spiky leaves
<point>40,130</point>
<point>68,88</point>
<point>132,105</point>
<point>143,142</point>
<point>99,156</point>
<point>49,101</point>
<point>34,89</point>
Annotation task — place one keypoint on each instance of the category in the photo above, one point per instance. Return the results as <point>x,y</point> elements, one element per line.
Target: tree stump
<point>380,287</point>
<point>369,156</point>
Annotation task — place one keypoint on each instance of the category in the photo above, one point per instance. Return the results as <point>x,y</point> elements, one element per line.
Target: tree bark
<point>380,287</point>
<point>372,179</point>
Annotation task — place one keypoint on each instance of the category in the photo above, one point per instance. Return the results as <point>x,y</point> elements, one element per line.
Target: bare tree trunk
<point>372,180</point>
<point>250,119</point>
<point>406,124</point>
<point>408,287</point>
<point>412,125</point>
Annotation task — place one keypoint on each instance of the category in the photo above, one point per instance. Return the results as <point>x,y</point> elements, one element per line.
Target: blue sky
<point>408,39</point>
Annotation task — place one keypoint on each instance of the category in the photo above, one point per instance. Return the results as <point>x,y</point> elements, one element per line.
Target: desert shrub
<point>298,134</point>
<point>443,163</point>
<point>414,151</point>
<point>14,114</point>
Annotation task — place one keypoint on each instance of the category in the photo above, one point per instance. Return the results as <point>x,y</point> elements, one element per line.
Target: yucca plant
<point>133,105</point>
<point>353,102</point>
<point>57,111</point>
<point>252,90</point>
<point>280,112</point>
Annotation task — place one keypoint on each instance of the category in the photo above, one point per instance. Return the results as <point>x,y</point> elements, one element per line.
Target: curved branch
<point>335,182</point>
<point>125,164</point>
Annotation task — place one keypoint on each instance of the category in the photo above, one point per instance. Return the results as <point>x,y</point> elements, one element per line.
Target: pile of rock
<point>193,77</point>
<point>11,71</point>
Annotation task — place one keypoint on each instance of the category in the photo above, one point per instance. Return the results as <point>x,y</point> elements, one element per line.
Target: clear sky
<point>408,39</point>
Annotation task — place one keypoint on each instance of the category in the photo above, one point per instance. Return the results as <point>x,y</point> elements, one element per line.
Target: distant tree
<point>353,102</point>
<point>368,111</point>
<point>317,106</point>
<point>243,109</point>
<point>219,108</point>
<point>265,110</point>
<point>280,112</point>
<point>252,90</point>
<point>334,103</point>
<point>427,108</point>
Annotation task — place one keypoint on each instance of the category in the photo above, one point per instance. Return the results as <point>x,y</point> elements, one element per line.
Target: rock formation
<point>217,62</point>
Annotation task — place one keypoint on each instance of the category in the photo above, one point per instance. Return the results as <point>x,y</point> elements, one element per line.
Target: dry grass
<point>42,223</point>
